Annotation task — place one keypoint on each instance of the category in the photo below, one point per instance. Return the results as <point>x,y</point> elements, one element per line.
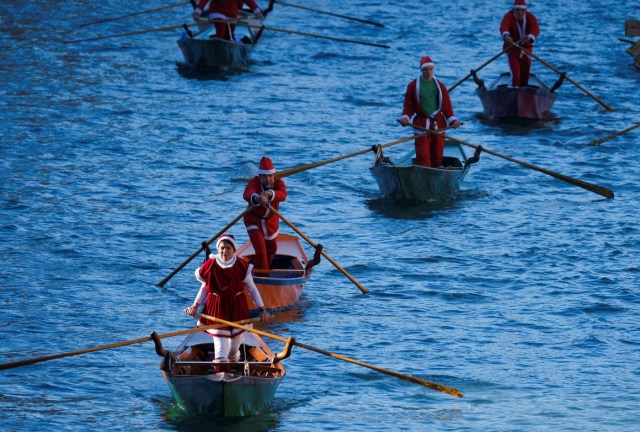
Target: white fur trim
<point>451,119</point>
<point>225,264</point>
<point>406,117</point>
<point>250,227</point>
<point>424,65</point>
<point>265,172</point>
<point>273,194</point>
<point>265,232</point>
<point>532,37</point>
<point>217,15</point>
<point>197,11</point>
<point>226,238</point>
<point>520,7</point>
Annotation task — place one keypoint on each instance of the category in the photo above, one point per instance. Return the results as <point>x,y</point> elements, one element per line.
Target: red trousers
<point>520,68</point>
<point>225,30</point>
<point>429,150</point>
<point>265,249</point>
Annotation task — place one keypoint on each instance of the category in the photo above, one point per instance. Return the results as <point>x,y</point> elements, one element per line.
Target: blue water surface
<point>114,167</point>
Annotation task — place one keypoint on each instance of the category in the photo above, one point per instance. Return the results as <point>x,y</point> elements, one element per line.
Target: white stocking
<point>222,347</point>
<point>234,349</point>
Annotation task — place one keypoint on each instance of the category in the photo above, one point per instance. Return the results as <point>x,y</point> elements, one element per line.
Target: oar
<point>439,387</point>
<point>26,362</point>
<point>313,35</point>
<point>477,69</point>
<point>330,13</point>
<point>240,23</point>
<point>331,260</point>
<point>607,193</point>
<point>298,169</point>
<point>626,40</point>
<point>133,33</point>
<point>196,253</point>
<point>613,135</point>
<point>133,14</point>
<point>567,77</point>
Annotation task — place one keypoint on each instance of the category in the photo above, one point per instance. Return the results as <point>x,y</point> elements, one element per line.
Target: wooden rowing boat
<point>244,389</point>
<point>404,181</point>
<point>203,52</point>
<point>282,284</point>
<point>501,101</point>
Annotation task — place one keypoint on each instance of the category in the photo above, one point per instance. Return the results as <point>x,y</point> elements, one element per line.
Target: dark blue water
<point>524,293</point>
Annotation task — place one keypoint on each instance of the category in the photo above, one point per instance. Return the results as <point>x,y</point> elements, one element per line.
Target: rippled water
<point>523,293</point>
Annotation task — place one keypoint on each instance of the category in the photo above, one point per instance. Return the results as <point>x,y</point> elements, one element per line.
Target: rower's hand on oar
<point>265,315</point>
<point>196,16</point>
<point>192,310</point>
<point>524,40</point>
<point>508,39</point>
<point>403,121</point>
<point>455,124</point>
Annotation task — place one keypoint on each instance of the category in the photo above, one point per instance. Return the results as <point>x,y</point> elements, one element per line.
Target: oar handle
<point>324,254</point>
<point>434,386</point>
<point>607,193</point>
<point>196,253</point>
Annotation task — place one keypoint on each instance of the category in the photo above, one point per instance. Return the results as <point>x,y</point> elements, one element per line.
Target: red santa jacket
<point>528,27</point>
<point>443,115</point>
<point>261,217</point>
<point>225,293</point>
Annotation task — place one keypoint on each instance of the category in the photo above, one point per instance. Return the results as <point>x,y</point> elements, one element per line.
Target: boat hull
<point>500,101</point>
<point>283,284</point>
<point>404,181</point>
<point>214,53</point>
<point>223,394</point>
<point>206,53</point>
<point>245,388</point>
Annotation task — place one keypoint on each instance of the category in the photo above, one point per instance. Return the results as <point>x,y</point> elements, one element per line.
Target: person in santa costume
<point>519,26</point>
<point>224,278</point>
<point>224,10</point>
<point>427,103</point>
<point>264,190</point>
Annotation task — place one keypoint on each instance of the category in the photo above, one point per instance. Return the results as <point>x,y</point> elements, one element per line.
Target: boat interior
<point>282,267</point>
<point>198,359</point>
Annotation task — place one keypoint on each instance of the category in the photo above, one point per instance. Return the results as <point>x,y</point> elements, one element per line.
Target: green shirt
<point>428,95</point>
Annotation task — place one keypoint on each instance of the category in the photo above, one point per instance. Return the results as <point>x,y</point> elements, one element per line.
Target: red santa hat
<point>520,4</point>
<point>228,238</point>
<point>426,62</point>
<point>266,166</point>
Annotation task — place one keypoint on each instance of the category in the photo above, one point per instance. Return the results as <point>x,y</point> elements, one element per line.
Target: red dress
<point>225,294</point>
